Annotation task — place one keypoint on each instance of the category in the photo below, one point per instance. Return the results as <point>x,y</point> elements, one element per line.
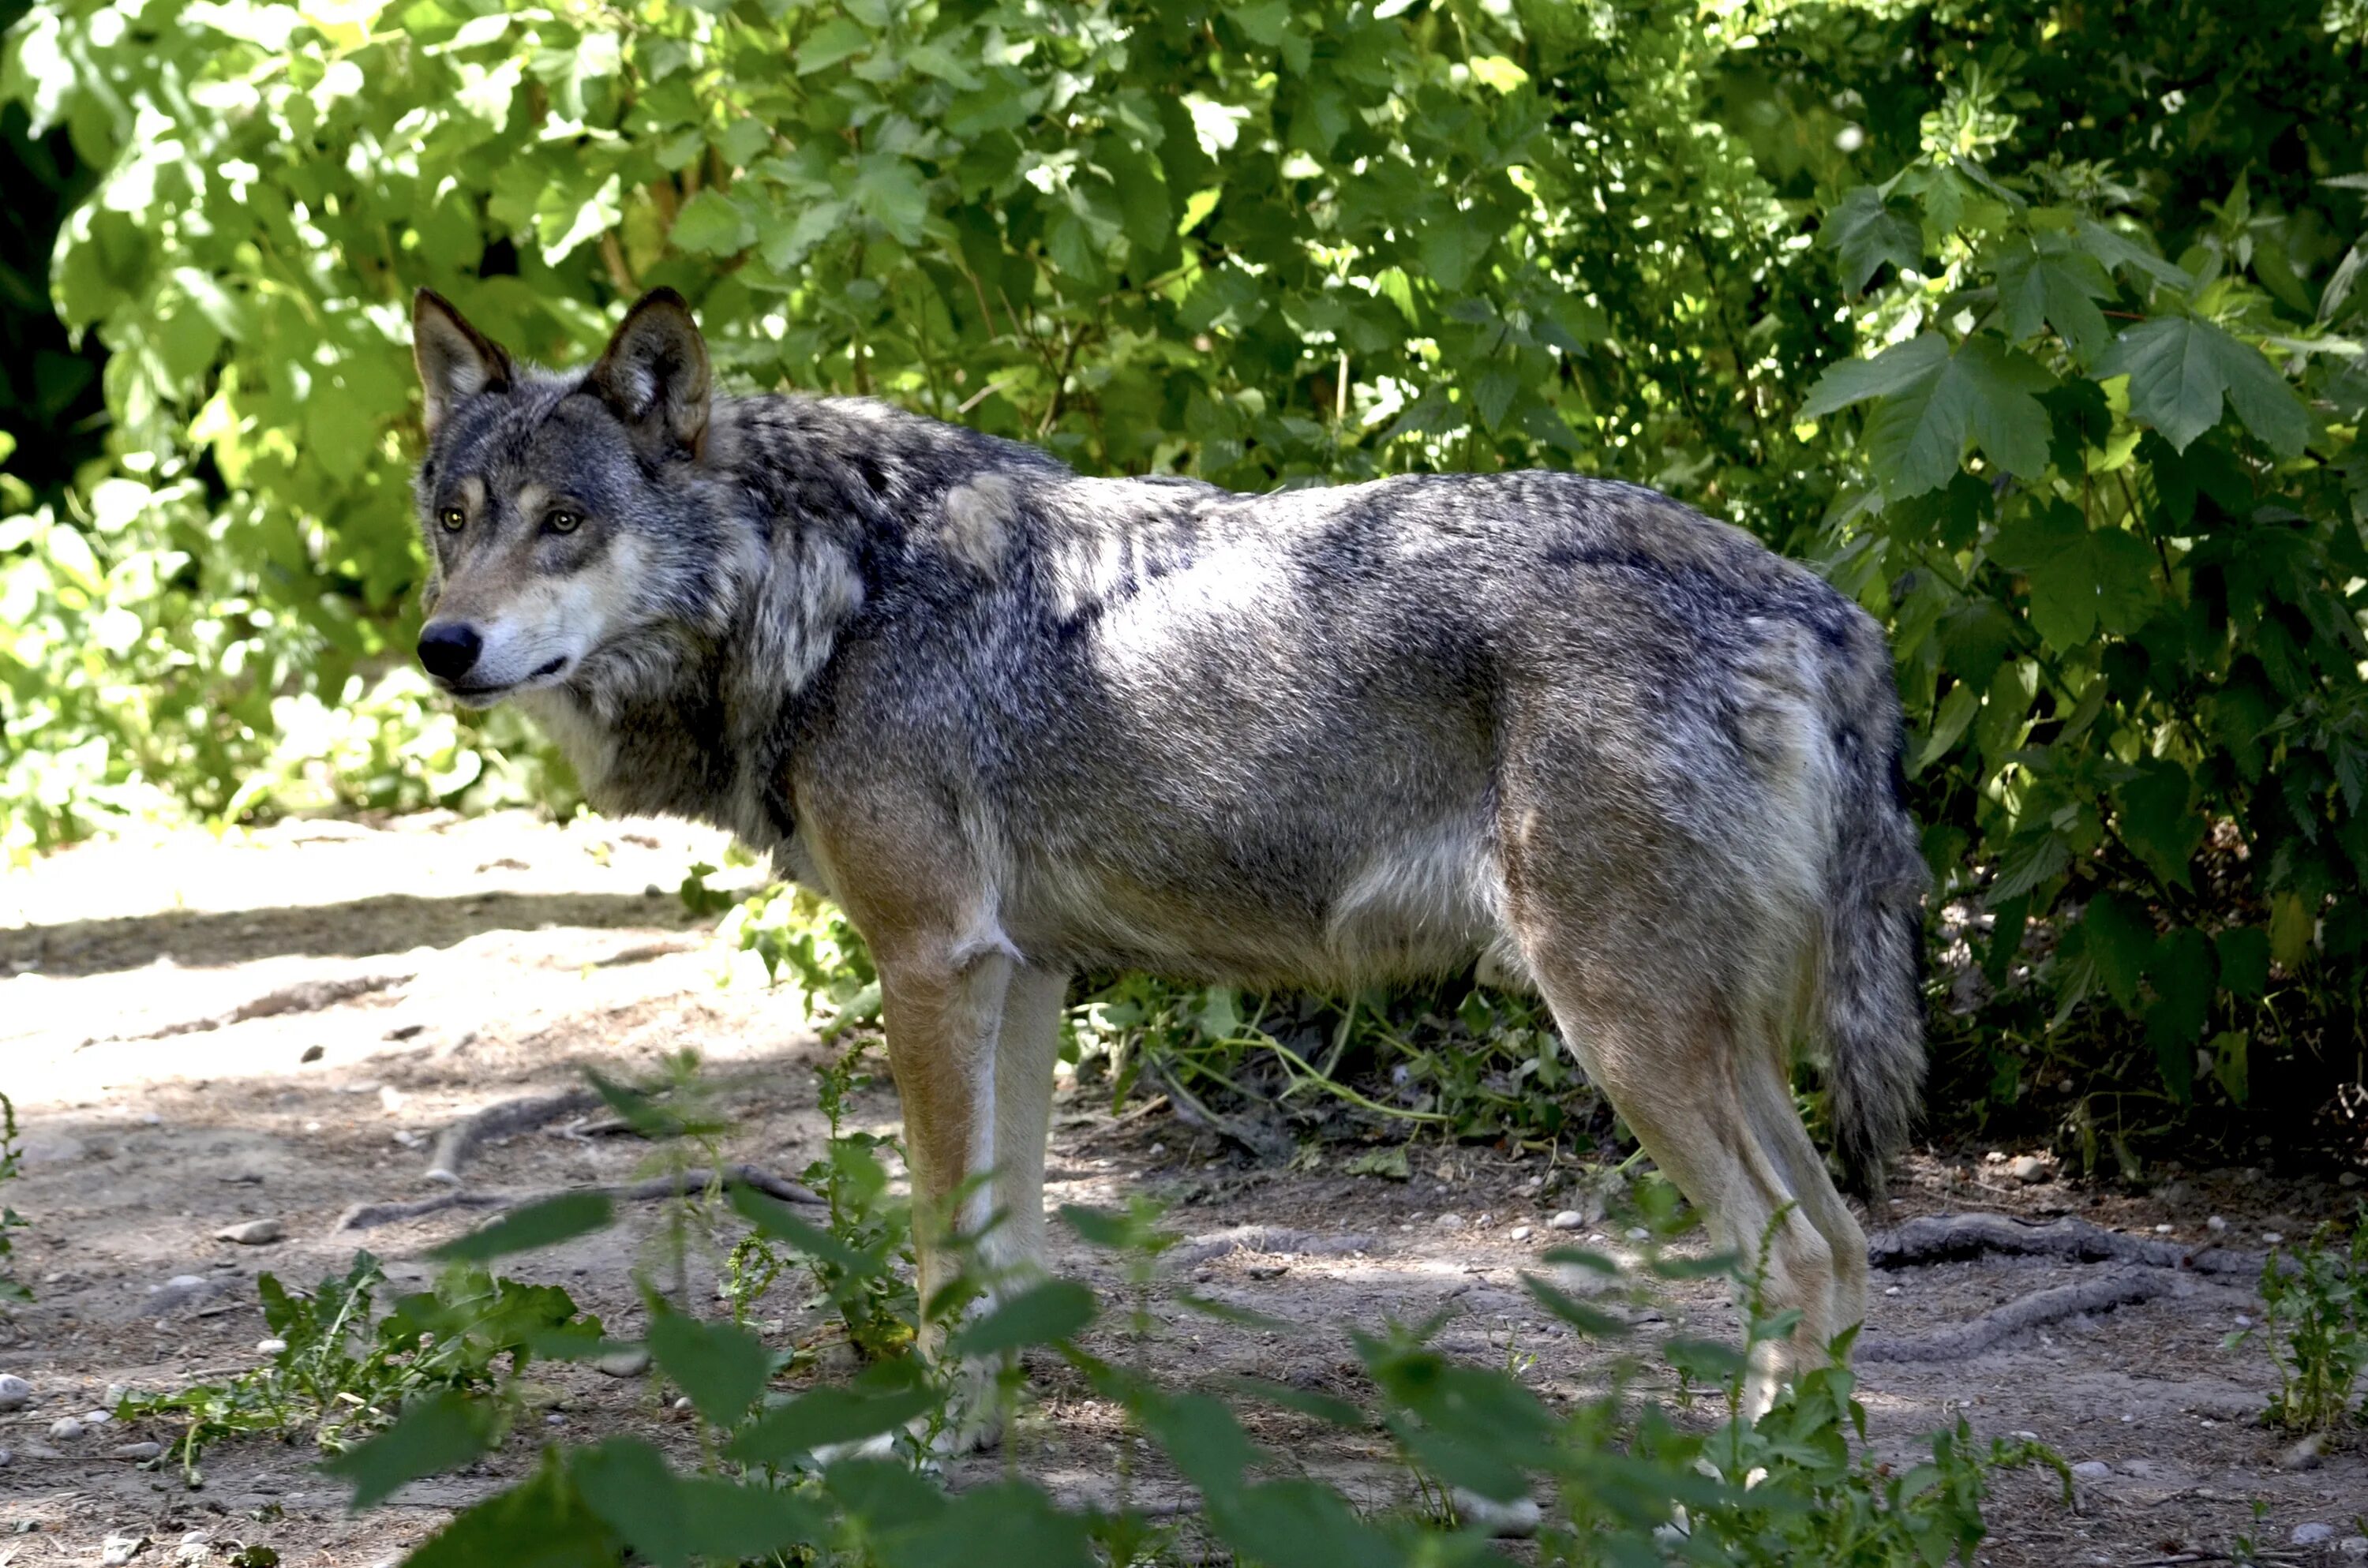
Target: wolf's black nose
<point>448,650</point>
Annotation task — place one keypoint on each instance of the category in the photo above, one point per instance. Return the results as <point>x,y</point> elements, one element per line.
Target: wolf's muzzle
<point>448,650</point>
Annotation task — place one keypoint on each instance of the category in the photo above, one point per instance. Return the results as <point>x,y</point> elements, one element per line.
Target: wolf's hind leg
<point>1697,1097</point>
<point>1776,1119</point>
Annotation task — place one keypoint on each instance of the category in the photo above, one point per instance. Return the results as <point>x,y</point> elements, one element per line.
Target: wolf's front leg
<point>972,1035</point>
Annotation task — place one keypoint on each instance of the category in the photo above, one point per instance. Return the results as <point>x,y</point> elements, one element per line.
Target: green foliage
<point>783,1475</point>
<point>2315,1324</point>
<point>338,1373</point>
<point>2111,503</point>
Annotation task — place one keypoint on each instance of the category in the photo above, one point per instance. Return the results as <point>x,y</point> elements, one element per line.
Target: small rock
<point>2353,1546</point>
<point>554,1419</point>
<point>116,1394</point>
<point>1638,1233</point>
<point>135,1451</point>
<point>195,1548</point>
<point>118,1550</point>
<point>1520,1233</point>
<point>313,1054</point>
<point>2309,1454</point>
<point>1449,1222</point>
<point>653,890</point>
<point>2092,1470</point>
<point>253,1233</point>
<point>630,1363</point>
<point>2215,1225</point>
<point>2029,1169</point>
<point>92,1419</point>
<point>2162,1230</point>
<point>15,1392</point>
<point>1157,1150</point>
<point>2271,1238</point>
<point>65,1429</point>
<point>2244,1322</point>
<point>2312,1534</point>
<point>2024,1436</point>
<point>1568,1220</point>
<point>1891,1290</point>
<point>390,1098</point>
<point>2348,1178</point>
<point>7,1458</point>
<point>270,1347</point>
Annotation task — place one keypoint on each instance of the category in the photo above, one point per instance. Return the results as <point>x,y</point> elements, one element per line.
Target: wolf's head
<point>572,526</point>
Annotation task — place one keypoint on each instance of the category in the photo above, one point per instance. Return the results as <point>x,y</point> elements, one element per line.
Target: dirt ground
<point>201,1032</point>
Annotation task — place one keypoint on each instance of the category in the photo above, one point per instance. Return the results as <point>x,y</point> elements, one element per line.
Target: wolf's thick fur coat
<point>1020,722</point>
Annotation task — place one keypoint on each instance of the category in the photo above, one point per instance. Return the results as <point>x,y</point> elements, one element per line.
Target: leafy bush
<point>842,1472</point>
<point>2316,1324</point>
<point>337,1377</point>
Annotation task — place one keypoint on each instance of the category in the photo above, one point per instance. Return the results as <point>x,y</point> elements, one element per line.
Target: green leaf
<point>542,1524</point>
<point>708,224</point>
<point>2121,942</point>
<point>1045,1314</point>
<point>1867,230</point>
<point>720,1365</point>
<point>825,1417</point>
<point>2244,952</point>
<point>630,1485</point>
<point>2079,578</point>
<point>443,1431</point>
<point>547,1223</point>
<point>2155,821</point>
<point>1201,1436</point>
<point>2060,287</point>
<point>1590,1321</point>
<point>840,37</point>
<point>888,189</point>
<point>2179,370</point>
<point>1983,391</point>
<point>2123,257</point>
<point>1896,368</point>
<point>1301,1523</point>
<point>1005,1524</point>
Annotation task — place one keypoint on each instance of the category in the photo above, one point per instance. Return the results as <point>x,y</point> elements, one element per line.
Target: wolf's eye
<point>452,517</point>
<point>564,522</point>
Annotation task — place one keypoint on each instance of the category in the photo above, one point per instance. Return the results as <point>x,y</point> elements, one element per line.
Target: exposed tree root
<point>1937,1238</point>
<point>369,1216</point>
<point>1961,1340</point>
<point>458,1142</point>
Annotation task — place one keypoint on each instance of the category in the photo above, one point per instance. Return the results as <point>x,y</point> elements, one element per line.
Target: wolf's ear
<point>654,375</point>
<point>455,359</point>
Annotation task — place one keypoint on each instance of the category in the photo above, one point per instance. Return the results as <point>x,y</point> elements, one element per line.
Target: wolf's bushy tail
<point>1870,997</point>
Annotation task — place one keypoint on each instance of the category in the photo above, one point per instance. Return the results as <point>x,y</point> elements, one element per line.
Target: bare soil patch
<point>279,1026</point>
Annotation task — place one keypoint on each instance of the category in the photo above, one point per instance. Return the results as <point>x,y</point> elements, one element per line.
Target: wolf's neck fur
<point>809,511</point>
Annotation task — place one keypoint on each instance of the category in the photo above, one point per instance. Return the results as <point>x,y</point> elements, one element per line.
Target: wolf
<point>1020,722</point>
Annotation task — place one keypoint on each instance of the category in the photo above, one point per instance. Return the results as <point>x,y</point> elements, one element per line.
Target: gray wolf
<point>1019,722</point>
